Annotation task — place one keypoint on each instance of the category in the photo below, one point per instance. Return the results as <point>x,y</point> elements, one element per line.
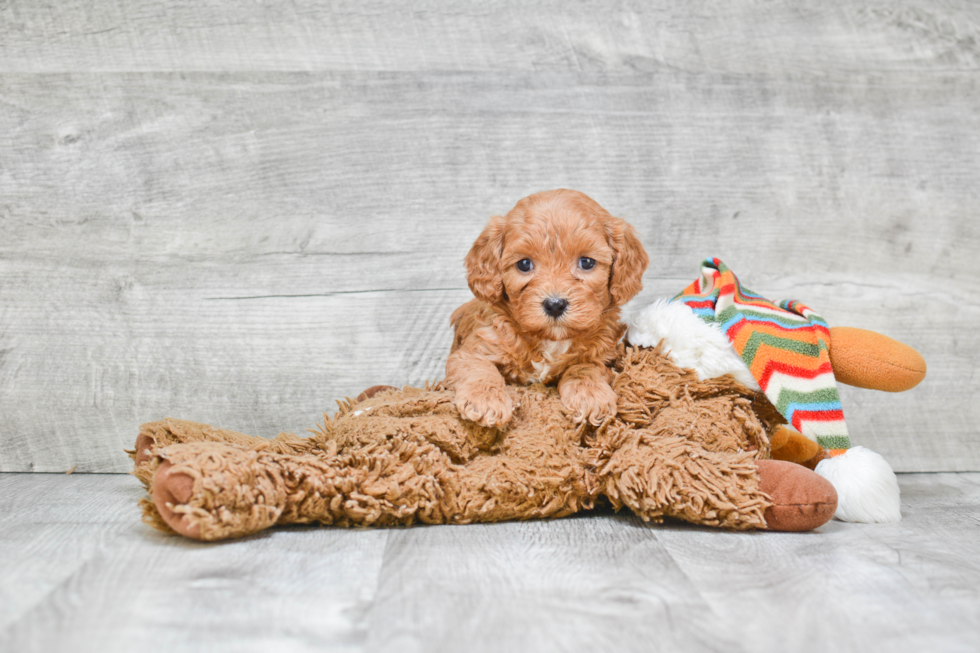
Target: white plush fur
<point>689,341</point>
<point>867,490</point>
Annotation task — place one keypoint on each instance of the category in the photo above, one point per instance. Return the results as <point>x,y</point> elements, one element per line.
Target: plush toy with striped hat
<point>716,326</point>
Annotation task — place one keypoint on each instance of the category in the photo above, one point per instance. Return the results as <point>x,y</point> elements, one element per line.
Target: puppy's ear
<point>629,261</point>
<point>483,262</point>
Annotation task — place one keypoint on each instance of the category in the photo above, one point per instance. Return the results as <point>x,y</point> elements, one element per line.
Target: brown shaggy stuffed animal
<point>677,447</point>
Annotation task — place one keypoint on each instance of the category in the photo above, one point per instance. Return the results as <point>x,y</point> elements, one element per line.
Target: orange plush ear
<point>867,359</point>
<point>630,260</point>
<point>483,262</point>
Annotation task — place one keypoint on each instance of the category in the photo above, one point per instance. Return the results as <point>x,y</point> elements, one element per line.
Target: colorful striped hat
<point>785,347</point>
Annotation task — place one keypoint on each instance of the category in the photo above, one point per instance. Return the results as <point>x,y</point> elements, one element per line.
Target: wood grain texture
<point>856,567</point>
<point>241,220</point>
<point>739,37</point>
<point>67,562</point>
<point>81,573</point>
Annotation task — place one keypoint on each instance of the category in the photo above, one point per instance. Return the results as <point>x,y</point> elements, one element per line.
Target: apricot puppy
<point>549,279</point>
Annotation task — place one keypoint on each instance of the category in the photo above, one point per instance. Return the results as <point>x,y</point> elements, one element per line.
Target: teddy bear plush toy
<point>726,404</point>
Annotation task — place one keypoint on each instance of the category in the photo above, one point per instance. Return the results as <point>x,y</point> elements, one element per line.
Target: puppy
<point>549,279</point>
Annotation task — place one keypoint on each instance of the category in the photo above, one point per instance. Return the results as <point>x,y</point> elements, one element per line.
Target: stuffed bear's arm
<point>867,359</point>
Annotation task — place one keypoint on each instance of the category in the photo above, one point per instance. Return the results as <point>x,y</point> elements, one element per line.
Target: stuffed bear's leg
<point>659,476</point>
<point>668,476</point>
<point>213,491</point>
<point>174,431</point>
<point>165,432</point>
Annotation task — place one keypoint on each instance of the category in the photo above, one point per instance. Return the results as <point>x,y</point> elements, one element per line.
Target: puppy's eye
<point>586,263</point>
<point>525,265</point>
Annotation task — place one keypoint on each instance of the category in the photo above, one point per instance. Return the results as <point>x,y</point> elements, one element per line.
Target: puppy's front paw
<point>588,400</point>
<point>488,406</point>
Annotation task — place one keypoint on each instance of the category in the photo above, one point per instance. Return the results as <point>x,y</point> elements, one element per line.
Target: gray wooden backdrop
<point>240,212</point>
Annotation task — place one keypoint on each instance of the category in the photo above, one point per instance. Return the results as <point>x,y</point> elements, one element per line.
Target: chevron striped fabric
<point>785,348</point>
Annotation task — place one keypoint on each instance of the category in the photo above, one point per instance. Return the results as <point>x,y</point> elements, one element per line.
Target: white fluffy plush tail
<point>867,490</point>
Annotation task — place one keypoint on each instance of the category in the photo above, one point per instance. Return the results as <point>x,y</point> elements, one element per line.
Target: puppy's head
<point>556,262</point>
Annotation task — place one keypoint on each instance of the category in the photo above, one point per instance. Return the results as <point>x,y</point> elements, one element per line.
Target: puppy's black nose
<point>555,306</point>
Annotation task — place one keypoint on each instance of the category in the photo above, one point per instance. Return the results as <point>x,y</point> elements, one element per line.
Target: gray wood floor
<point>80,573</point>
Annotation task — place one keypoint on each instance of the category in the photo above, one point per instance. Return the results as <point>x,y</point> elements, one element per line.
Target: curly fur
<point>506,335</point>
<point>677,447</point>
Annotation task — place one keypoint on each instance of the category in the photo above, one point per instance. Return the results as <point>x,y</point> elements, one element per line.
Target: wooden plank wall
<point>238,213</point>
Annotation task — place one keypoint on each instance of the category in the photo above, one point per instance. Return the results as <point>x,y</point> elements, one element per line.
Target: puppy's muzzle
<point>555,306</point>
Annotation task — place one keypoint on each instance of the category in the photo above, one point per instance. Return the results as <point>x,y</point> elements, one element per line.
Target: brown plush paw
<point>487,406</point>
<point>588,400</point>
<point>801,499</point>
<point>172,489</point>
<point>143,445</point>
<point>373,390</point>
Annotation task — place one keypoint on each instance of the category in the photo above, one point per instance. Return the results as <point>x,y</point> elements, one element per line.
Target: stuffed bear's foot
<point>173,488</point>
<point>173,431</point>
<point>373,390</point>
<point>213,490</point>
<point>801,499</point>
<point>143,449</point>
<point>154,435</point>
